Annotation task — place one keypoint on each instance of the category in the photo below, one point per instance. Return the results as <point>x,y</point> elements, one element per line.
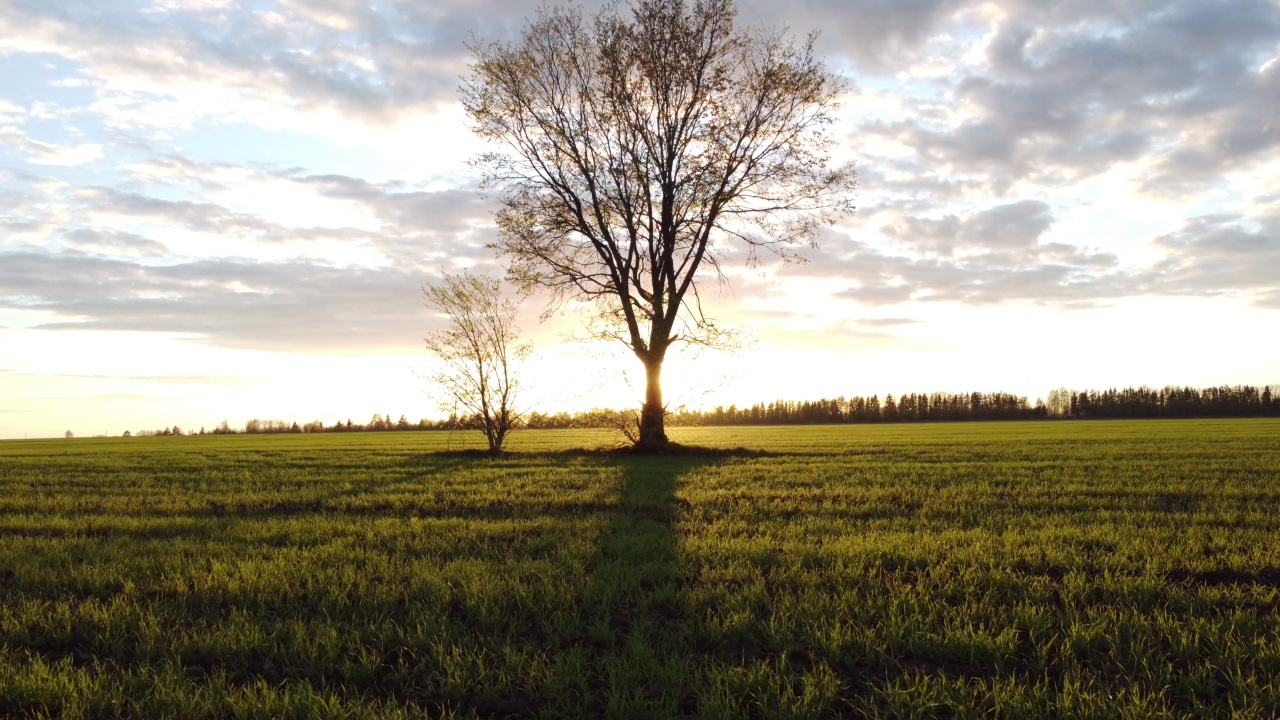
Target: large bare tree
<point>635,148</point>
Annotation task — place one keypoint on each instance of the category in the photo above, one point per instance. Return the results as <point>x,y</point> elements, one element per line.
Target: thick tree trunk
<point>652,432</point>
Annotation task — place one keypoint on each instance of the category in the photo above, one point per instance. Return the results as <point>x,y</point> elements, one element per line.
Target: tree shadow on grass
<point>629,621</point>
<point>636,638</point>
<point>635,605</point>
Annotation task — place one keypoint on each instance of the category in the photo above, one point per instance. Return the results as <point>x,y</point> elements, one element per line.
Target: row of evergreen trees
<point>1141,402</point>
<point>263,427</point>
<point>1145,402</point>
<point>378,423</point>
<point>905,408</point>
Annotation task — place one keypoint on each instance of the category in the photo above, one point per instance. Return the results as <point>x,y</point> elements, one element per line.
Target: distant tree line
<point>257,427</point>
<point>377,423</point>
<point>1141,402</point>
<point>1145,402</point>
<point>911,407</point>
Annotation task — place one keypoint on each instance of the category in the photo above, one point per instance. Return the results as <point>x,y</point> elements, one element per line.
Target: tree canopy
<point>636,148</point>
<point>480,354</point>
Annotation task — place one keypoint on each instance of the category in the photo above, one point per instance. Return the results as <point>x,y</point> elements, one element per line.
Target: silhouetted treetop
<point>636,145</point>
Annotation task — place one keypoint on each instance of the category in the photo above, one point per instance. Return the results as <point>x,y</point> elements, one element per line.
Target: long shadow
<point>636,630</point>
<point>635,605</point>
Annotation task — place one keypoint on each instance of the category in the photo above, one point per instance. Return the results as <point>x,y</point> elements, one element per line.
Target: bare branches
<point>632,140</point>
<point>635,140</point>
<point>480,354</point>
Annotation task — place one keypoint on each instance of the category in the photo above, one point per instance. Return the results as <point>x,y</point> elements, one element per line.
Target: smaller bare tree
<point>480,353</point>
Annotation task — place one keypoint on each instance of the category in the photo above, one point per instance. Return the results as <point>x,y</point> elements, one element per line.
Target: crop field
<point>1053,569</point>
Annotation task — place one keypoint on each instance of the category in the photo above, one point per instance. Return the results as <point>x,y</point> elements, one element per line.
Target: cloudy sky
<point>219,210</point>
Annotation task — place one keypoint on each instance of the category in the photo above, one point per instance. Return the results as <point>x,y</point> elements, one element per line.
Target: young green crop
<point>1083,569</point>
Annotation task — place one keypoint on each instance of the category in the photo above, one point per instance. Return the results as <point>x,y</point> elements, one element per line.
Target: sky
<point>221,210</point>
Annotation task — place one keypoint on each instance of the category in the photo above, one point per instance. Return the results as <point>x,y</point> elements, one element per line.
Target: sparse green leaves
<point>480,353</point>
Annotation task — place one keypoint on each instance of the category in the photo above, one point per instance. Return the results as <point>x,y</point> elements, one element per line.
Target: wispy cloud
<point>977,128</point>
<point>149,379</point>
<point>42,153</point>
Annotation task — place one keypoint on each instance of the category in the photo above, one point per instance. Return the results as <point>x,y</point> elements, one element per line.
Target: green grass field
<point>1068,569</point>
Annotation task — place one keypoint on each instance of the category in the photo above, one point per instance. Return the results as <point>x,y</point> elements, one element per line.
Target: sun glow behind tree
<point>631,141</point>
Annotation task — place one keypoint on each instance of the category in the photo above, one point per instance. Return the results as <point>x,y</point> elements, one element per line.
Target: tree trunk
<point>652,433</point>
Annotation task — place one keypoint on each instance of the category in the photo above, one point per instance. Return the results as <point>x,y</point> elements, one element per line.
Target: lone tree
<point>479,351</point>
<point>638,146</point>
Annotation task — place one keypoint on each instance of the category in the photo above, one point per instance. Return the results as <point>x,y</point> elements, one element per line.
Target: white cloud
<point>1047,155</point>
<point>11,113</point>
<point>66,155</point>
<point>42,153</point>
